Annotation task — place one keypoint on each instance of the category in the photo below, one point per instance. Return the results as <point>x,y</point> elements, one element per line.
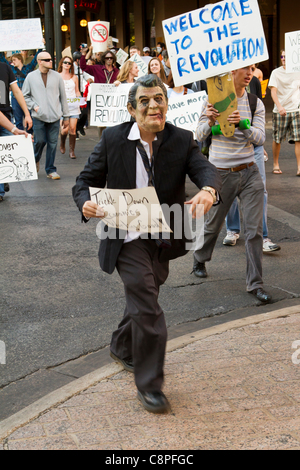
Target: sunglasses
<point>109,58</point>
<point>46,60</point>
<point>67,63</point>
<point>283,56</point>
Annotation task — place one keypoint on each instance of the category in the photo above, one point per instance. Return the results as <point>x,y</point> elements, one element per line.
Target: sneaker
<point>269,246</point>
<point>231,239</point>
<point>53,176</point>
<point>1,198</point>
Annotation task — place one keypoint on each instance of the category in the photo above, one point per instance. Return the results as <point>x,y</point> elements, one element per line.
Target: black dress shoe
<point>261,295</point>
<point>126,363</point>
<point>155,402</point>
<point>199,269</point>
<point>6,187</point>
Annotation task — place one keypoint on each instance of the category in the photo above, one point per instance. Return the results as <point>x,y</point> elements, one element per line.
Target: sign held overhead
<point>216,39</point>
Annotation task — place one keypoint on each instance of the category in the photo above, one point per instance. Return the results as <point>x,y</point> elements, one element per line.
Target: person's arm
<point>94,175</point>
<point>21,100</point>
<point>64,104</point>
<point>83,65</point>
<point>256,134</point>
<point>203,174</point>
<point>77,92</point>
<point>274,96</point>
<point>6,123</point>
<point>208,118</point>
<point>3,59</point>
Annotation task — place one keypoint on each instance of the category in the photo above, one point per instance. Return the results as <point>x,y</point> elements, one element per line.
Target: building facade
<point>140,21</point>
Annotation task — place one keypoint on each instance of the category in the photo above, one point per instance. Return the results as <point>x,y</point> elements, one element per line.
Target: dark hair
<point>162,44</point>
<point>147,81</point>
<point>105,54</point>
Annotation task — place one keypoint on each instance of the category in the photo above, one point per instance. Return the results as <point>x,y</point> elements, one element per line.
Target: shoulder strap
<point>252,103</point>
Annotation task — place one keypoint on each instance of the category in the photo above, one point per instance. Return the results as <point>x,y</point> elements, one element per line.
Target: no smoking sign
<point>99,33</point>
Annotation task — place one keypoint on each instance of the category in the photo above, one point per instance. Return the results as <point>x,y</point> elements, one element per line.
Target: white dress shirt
<point>141,173</point>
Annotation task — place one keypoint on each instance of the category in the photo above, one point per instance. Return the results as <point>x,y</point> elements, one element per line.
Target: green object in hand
<point>221,106</point>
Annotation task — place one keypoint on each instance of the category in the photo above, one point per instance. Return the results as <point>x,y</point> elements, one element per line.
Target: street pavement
<point>58,309</point>
<point>230,388</point>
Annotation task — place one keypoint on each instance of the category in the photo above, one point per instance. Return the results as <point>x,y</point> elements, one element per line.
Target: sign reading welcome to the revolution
<point>215,39</point>
<point>109,104</point>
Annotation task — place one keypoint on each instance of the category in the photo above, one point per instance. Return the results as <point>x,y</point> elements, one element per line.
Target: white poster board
<point>109,104</point>
<point>185,111</point>
<point>21,35</point>
<point>99,34</point>
<point>121,56</point>
<point>17,162</point>
<point>292,52</point>
<point>143,67</point>
<point>136,210</point>
<point>215,39</point>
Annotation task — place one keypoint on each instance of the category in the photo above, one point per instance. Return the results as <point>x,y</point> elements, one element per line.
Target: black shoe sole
<point>123,363</point>
<point>153,409</point>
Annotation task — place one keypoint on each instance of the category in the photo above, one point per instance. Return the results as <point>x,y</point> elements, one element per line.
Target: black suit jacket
<point>113,162</point>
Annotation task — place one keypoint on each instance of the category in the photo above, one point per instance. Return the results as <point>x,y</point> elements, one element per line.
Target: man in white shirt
<point>285,92</point>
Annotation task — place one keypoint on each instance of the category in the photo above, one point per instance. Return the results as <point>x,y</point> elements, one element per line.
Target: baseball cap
<point>146,49</point>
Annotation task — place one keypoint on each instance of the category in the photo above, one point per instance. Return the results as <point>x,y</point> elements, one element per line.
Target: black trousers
<point>142,333</point>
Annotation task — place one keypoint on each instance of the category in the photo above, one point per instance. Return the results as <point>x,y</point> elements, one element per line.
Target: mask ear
<point>131,110</point>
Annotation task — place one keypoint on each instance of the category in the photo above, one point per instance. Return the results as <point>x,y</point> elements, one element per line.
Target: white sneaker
<point>231,239</point>
<point>269,246</point>
<point>53,176</point>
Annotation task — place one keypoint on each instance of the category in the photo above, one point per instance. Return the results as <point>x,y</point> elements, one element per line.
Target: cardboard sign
<point>185,111</point>
<point>17,162</point>
<point>143,67</point>
<point>135,210</point>
<point>21,35</point>
<point>292,52</point>
<point>216,39</point>
<point>99,34</point>
<point>109,104</point>
<point>121,56</point>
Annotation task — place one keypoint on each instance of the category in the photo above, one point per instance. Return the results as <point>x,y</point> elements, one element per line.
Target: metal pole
<point>57,30</point>
<point>14,9</point>
<point>49,33</point>
<point>1,15</point>
<point>32,8</point>
<point>28,9</point>
<point>72,25</point>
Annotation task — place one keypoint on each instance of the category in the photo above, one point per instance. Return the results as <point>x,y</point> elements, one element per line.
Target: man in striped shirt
<point>234,158</point>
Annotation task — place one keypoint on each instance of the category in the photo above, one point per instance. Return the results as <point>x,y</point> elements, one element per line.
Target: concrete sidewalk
<point>232,386</point>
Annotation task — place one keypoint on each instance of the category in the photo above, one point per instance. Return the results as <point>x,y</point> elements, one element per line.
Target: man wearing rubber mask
<point>146,152</point>
<point>235,161</point>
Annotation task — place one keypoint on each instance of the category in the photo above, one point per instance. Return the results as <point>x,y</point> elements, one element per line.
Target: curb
<point>53,399</point>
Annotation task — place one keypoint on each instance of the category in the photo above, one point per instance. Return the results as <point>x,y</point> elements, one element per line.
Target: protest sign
<point>74,103</point>
<point>21,35</point>
<point>99,34</point>
<point>185,111</point>
<point>17,162</point>
<point>121,56</point>
<point>109,104</point>
<point>143,67</point>
<point>136,210</point>
<point>292,52</point>
<point>216,39</point>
